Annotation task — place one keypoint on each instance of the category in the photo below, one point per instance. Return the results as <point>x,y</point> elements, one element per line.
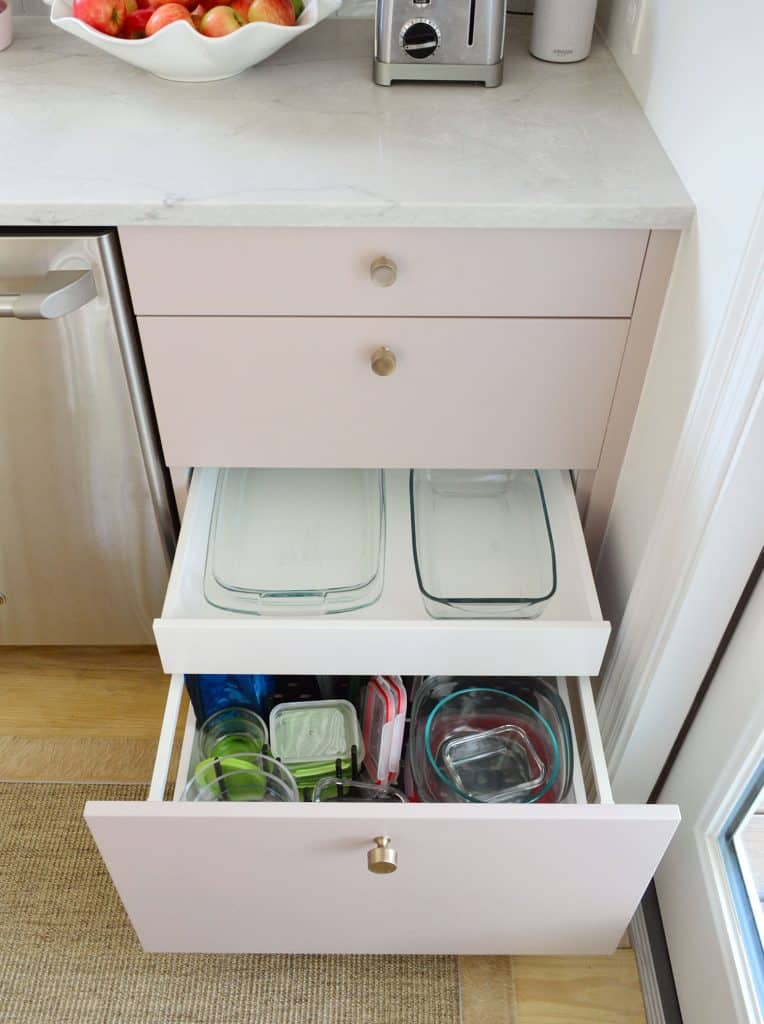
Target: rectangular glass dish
<point>296,541</point>
<point>483,546</point>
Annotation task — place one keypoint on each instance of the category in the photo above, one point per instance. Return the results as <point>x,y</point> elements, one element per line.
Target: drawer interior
<point>269,877</point>
<point>395,634</point>
<point>188,754</point>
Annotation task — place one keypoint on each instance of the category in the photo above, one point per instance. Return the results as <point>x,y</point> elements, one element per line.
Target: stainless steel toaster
<point>446,40</point>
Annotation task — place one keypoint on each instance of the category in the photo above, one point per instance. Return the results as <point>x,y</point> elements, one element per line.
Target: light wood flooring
<point>93,715</point>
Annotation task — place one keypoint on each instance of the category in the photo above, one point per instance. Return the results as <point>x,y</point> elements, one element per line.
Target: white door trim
<point>714,769</point>
<point>700,545</point>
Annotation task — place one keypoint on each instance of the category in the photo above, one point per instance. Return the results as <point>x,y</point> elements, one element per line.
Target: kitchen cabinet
<point>510,348</point>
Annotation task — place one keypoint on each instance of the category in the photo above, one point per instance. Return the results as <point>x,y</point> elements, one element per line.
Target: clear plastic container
<point>296,541</point>
<point>315,732</point>
<point>483,545</point>
<point>242,778</point>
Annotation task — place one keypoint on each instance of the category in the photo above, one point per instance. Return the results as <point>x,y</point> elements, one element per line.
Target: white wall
<point>699,76</point>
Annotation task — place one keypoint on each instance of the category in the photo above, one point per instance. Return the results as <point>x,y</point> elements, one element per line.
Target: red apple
<point>220,21</point>
<point>134,25</point>
<point>153,5</point>
<point>105,15</point>
<point>166,15</point>
<point>277,12</point>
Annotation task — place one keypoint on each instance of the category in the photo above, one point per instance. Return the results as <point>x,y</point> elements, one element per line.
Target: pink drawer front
<point>293,878</point>
<point>260,391</point>
<point>326,272</point>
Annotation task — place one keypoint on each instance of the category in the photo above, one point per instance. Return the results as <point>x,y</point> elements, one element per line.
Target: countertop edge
<point>59,215</point>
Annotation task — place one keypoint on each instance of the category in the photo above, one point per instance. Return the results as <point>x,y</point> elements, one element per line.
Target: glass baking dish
<point>296,541</point>
<point>483,546</point>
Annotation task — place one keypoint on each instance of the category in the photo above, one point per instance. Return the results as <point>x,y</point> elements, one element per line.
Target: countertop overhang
<point>306,139</point>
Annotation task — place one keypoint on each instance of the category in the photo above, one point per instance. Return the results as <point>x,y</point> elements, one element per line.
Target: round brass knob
<point>2,598</point>
<point>383,859</point>
<point>383,361</point>
<point>383,271</point>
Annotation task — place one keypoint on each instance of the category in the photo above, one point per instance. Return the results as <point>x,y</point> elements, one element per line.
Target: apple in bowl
<point>220,20</point>
<point>165,15</point>
<point>277,12</point>
<point>108,16</point>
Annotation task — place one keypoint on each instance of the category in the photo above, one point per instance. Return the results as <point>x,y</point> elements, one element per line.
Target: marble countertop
<point>307,139</point>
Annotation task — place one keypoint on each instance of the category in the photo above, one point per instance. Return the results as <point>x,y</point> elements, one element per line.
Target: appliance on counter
<point>562,30</point>
<point>439,40</point>
<point>88,524</point>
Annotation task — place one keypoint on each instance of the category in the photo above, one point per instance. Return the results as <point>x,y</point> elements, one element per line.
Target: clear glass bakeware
<point>296,541</point>
<point>541,694</point>
<point>482,541</point>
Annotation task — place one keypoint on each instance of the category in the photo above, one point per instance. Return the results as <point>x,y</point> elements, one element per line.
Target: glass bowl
<point>242,778</point>
<point>488,746</point>
<point>232,731</point>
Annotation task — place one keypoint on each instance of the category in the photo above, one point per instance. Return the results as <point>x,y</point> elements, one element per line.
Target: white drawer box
<point>293,878</point>
<point>326,272</point>
<point>268,391</point>
<point>395,635</point>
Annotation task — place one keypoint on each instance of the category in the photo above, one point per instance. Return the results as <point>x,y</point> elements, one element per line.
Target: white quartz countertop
<point>308,139</point>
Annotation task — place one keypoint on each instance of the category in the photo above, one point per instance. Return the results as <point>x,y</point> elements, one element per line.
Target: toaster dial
<point>420,38</point>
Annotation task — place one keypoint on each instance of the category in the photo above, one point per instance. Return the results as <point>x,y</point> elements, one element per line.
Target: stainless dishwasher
<point>87,517</point>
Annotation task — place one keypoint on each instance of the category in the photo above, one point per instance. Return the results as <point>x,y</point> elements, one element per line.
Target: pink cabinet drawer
<point>471,878</point>
<point>261,391</point>
<point>327,272</point>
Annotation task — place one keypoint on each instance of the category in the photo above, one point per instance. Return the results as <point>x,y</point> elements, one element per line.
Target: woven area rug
<point>69,956</point>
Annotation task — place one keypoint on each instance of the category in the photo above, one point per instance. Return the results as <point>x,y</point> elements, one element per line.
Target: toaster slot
<point>471,27</point>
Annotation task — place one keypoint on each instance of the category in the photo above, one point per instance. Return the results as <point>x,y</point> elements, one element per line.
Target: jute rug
<point>69,956</point>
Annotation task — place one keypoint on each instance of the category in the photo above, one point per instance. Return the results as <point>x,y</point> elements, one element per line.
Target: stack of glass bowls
<point>243,777</point>
<point>490,740</point>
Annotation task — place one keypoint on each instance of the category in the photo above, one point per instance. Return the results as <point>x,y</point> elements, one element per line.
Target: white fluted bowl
<point>182,54</point>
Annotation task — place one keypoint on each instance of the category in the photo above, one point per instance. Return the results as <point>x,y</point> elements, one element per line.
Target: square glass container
<point>483,546</point>
<point>296,541</point>
<point>315,733</point>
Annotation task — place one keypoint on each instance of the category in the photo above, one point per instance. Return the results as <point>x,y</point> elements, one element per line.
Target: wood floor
<point>93,715</point>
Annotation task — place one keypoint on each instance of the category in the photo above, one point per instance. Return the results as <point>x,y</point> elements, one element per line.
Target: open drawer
<point>394,635</point>
<point>471,878</point>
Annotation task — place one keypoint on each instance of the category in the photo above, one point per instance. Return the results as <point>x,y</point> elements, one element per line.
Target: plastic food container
<point>296,541</point>
<point>243,778</point>
<point>315,732</point>
<point>232,731</point>
<point>482,542</point>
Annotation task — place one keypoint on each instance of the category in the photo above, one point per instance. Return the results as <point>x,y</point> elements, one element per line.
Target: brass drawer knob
<point>383,361</point>
<point>383,859</point>
<point>383,271</point>
<point>3,598</point>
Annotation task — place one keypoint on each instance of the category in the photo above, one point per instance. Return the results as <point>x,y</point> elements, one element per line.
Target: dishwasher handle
<point>57,293</point>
